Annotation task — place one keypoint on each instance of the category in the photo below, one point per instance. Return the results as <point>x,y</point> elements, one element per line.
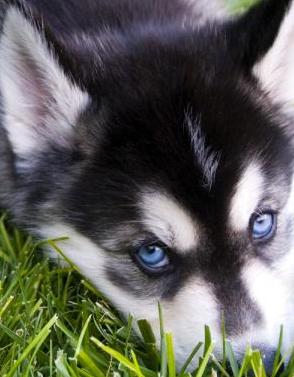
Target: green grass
<point>238,6</point>
<point>55,323</point>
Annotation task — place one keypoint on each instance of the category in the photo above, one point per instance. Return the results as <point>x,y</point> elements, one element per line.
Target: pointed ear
<point>40,102</point>
<point>251,36</point>
<point>276,69</point>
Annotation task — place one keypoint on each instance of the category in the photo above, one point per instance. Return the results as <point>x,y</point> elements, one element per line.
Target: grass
<point>54,323</point>
<point>239,6</point>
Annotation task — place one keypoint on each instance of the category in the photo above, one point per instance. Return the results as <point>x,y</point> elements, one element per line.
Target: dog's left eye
<point>154,258</point>
<point>263,226</point>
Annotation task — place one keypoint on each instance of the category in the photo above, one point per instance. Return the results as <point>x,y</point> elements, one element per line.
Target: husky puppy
<point>161,144</point>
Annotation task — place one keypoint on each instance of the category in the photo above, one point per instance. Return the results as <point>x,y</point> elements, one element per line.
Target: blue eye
<point>263,226</point>
<point>152,257</point>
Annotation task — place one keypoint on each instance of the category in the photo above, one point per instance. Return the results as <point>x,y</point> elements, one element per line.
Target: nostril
<point>268,355</point>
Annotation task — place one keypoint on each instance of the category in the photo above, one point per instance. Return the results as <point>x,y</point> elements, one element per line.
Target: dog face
<point>165,155</point>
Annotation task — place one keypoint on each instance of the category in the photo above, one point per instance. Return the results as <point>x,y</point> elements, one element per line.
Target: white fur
<point>169,221</point>
<point>208,9</point>
<point>289,207</point>
<point>274,300</point>
<point>276,69</point>
<point>207,159</point>
<point>185,316</point>
<point>39,101</point>
<point>247,195</point>
<point>284,265</point>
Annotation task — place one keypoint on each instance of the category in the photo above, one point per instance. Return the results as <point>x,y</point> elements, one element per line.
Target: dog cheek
<point>271,295</point>
<point>93,262</point>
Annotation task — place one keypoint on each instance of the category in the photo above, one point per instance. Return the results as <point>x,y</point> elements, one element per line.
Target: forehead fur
<point>206,159</point>
<point>168,220</point>
<point>248,193</point>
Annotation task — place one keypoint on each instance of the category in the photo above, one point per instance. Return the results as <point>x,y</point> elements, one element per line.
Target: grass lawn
<point>54,323</point>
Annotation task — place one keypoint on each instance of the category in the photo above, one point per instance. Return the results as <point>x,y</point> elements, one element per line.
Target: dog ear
<point>40,102</point>
<point>276,69</point>
<point>262,41</point>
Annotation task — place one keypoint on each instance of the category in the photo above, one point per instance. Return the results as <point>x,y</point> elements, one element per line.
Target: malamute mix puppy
<point>161,143</point>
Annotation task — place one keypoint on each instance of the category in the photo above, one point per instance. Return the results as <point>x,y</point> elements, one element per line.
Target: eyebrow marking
<point>168,220</point>
<point>205,157</point>
<point>248,193</point>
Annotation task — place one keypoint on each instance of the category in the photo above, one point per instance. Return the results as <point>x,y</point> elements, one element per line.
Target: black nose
<point>268,355</point>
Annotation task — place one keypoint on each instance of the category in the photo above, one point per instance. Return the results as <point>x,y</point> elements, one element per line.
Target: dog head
<point>165,155</point>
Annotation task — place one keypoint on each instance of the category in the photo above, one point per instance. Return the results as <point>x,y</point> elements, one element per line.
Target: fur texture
<point>125,123</point>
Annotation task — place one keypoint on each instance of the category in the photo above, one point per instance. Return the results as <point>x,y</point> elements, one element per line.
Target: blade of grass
<point>223,328</point>
<point>276,366</point>
<point>136,364</point>
<point>246,361</point>
<point>232,359</point>
<point>207,339</point>
<point>257,364</point>
<point>170,355</point>
<point>190,358</point>
<point>163,351</point>
<point>116,355</point>
<point>219,366</point>
<point>81,337</point>
<point>204,362</point>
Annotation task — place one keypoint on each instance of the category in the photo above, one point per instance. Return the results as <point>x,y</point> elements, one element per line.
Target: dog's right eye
<point>153,258</point>
<point>263,226</point>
